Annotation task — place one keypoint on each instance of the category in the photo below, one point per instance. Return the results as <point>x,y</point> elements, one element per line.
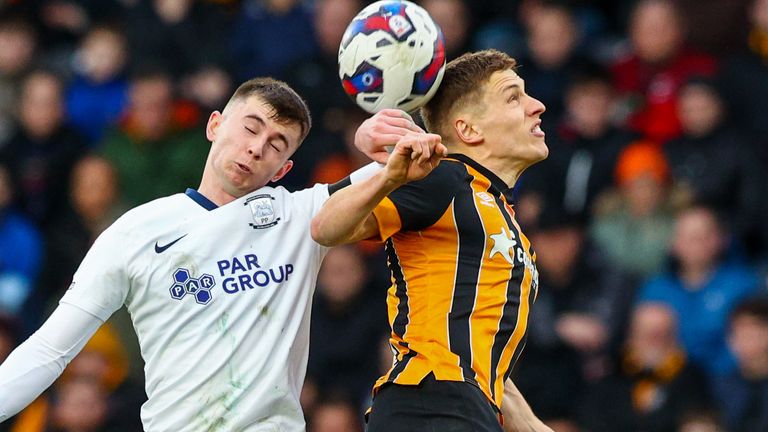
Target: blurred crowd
<point>648,217</point>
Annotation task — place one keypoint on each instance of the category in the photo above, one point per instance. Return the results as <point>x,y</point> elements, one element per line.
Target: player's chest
<point>230,259</point>
<point>487,233</point>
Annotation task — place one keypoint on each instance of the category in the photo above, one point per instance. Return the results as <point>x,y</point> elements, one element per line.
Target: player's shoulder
<point>444,178</point>
<point>287,197</point>
<point>147,214</point>
<point>421,203</point>
<point>452,170</point>
<point>290,204</point>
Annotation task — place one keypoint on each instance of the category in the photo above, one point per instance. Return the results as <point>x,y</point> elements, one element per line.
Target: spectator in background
<point>187,39</point>
<point>99,91</point>
<point>649,77</point>
<point>583,151</point>
<point>180,35</point>
<point>702,288</point>
<point>271,35</point>
<point>335,167</point>
<point>20,252</point>
<point>633,225</point>
<point>9,335</point>
<point>81,405</point>
<point>701,421</point>
<point>104,360</point>
<point>713,161</point>
<point>744,78</point>
<point>743,395</point>
<point>96,379</point>
<point>336,414</point>
<point>316,77</point>
<point>155,149</point>
<point>578,316</point>
<point>455,20</point>
<point>551,42</point>
<point>654,386</point>
<point>19,42</point>
<point>714,26</point>
<point>61,23</point>
<point>41,153</point>
<point>348,320</point>
<point>208,87</point>
<point>94,205</point>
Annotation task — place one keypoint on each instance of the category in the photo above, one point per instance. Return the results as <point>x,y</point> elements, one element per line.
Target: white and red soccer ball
<point>392,55</point>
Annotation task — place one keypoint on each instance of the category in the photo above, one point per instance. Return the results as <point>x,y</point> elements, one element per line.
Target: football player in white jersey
<point>218,281</point>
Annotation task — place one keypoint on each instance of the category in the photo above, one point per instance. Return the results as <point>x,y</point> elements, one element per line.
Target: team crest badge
<point>262,211</point>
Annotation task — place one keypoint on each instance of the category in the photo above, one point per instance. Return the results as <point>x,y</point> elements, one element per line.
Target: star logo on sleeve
<point>502,243</point>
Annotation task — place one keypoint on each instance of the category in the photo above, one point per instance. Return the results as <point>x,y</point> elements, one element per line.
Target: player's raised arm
<point>347,215</point>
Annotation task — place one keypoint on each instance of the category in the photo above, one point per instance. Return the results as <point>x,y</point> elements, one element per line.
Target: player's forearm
<point>21,381</point>
<point>347,216</point>
<point>518,416</point>
<point>35,364</point>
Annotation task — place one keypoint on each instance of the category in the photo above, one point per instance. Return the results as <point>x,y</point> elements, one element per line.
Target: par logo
<point>199,288</point>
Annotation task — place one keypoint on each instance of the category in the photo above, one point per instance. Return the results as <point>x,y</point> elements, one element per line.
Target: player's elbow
<point>320,232</point>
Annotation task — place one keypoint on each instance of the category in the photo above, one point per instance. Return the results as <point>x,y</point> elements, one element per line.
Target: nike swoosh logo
<point>160,249</point>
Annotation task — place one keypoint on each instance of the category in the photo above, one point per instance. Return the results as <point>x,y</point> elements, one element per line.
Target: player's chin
<point>539,151</point>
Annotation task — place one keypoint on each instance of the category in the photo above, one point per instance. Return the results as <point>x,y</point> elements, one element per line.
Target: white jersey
<point>220,300</point>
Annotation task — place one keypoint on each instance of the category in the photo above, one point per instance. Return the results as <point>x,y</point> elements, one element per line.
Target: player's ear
<point>213,125</point>
<point>467,131</point>
<point>283,170</point>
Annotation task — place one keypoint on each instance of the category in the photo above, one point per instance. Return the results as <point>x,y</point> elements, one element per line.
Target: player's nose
<point>535,106</point>
<point>255,148</point>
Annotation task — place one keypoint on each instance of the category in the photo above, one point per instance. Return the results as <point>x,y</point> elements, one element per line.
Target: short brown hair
<point>288,106</point>
<point>462,84</point>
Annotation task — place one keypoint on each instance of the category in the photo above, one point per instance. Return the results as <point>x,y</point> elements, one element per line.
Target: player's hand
<point>415,155</point>
<point>382,131</point>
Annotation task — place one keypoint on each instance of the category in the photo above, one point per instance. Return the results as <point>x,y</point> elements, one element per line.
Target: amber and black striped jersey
<point>463,278</point>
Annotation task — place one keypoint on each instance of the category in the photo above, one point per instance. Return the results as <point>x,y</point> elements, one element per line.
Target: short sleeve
<point>101,283</point>
<point>418,205</point>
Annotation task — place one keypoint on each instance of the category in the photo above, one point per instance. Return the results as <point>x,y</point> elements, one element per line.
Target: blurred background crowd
<point>648,217</point>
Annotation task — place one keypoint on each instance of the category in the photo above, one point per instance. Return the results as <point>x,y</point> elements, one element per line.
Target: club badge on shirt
<point>263,211</point>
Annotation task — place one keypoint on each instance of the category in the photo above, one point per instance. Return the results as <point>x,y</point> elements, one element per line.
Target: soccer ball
<point>392,55</point>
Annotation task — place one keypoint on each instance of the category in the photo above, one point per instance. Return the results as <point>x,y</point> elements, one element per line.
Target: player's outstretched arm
<point>347,215</point>
<point>35,364</point>
<point>518,416</point>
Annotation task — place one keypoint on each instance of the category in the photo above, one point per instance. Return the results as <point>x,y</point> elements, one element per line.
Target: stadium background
<point>656,179</point>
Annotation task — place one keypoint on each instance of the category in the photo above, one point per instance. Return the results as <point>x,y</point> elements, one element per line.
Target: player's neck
<point>217,195</point>
<point>508,171</point>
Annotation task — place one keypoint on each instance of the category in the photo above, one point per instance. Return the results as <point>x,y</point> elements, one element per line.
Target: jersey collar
<point>201,199</point>
<point>496,182</point>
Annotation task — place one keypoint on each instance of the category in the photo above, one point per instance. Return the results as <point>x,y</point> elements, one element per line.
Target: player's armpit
<point>369,230</point>
<point>387,219</point>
